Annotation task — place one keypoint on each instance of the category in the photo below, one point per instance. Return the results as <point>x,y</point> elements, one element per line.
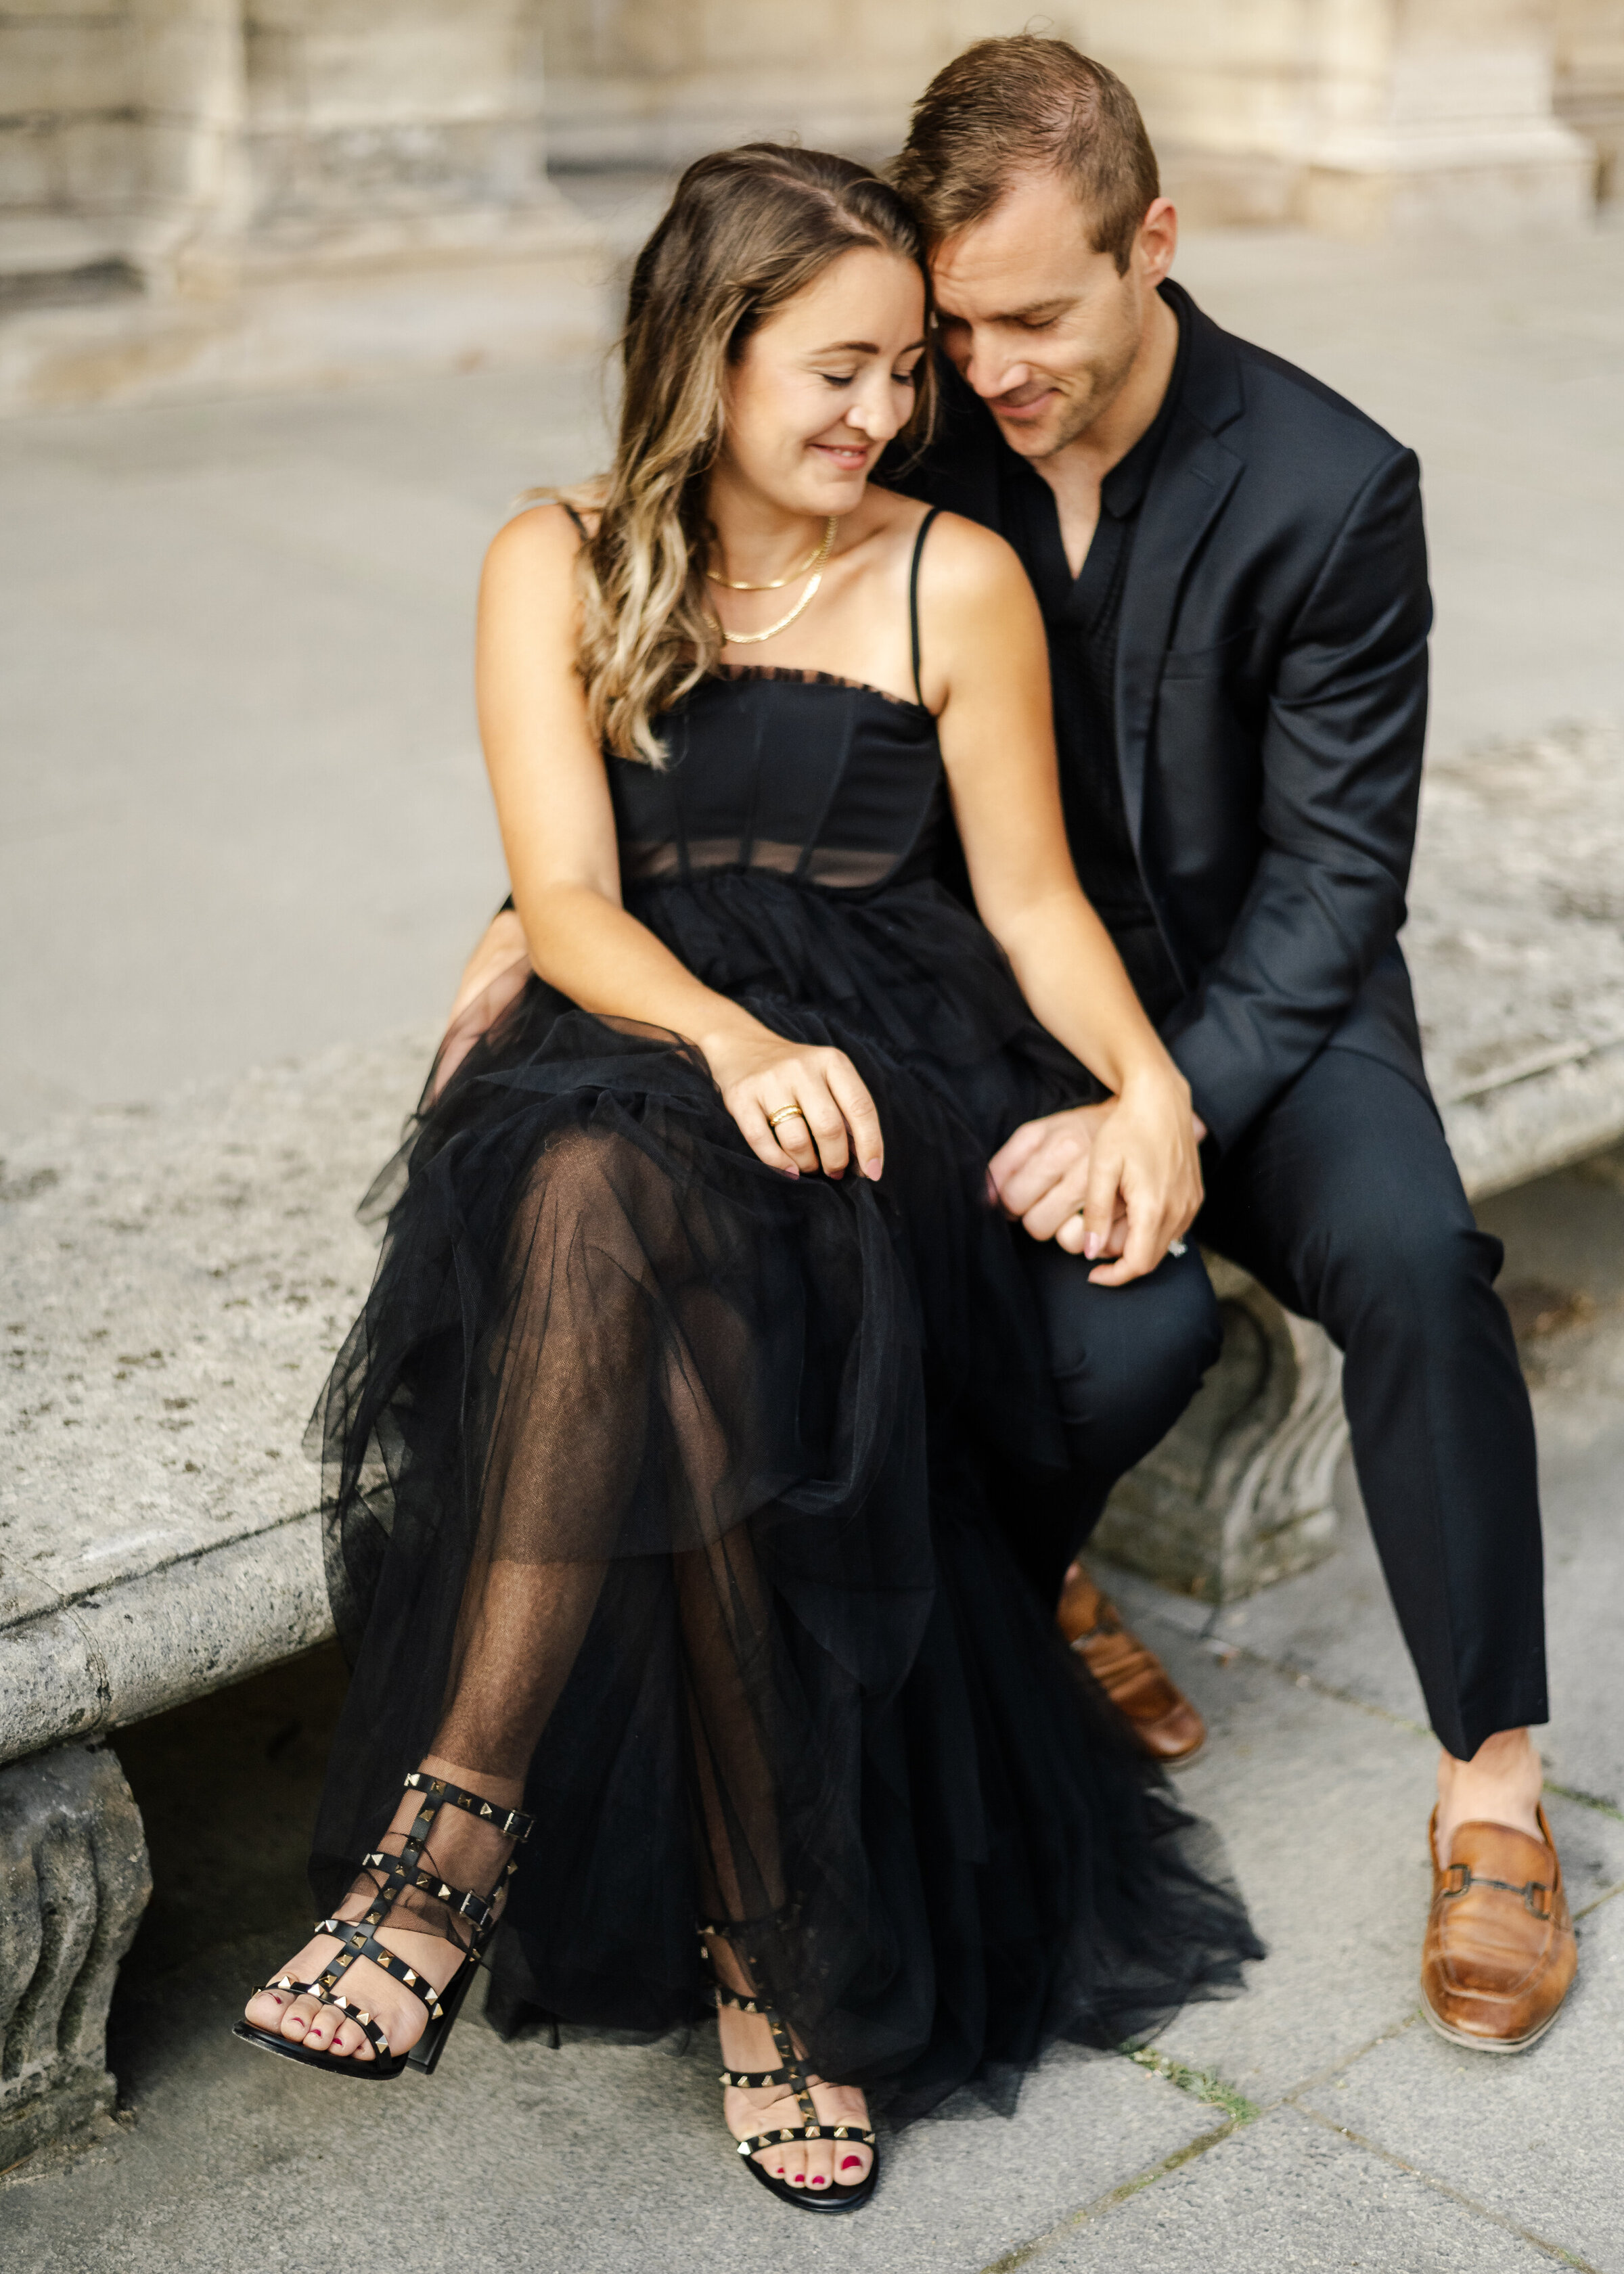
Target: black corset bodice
<point>795,773</point>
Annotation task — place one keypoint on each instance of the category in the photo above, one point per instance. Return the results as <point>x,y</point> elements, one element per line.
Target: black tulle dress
<point>678,1487</point>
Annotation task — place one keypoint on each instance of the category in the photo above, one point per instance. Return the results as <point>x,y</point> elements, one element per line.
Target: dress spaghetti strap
<point>913,601</point>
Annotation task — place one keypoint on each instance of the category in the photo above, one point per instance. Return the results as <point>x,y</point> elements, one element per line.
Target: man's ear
<point>1158,240</point>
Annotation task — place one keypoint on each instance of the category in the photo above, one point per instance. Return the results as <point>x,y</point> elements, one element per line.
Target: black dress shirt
<point>1081,616</point>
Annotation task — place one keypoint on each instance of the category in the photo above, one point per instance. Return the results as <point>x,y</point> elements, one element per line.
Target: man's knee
<point>1128,1360</point>
<point>1408,1268</point>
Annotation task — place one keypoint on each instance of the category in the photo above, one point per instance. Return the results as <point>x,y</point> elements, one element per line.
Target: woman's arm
<point>558,833</point>
<point>980,623</point>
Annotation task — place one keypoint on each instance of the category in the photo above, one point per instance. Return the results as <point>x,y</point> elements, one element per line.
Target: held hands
<point>1121,1180</point>
<point>834,1124</point>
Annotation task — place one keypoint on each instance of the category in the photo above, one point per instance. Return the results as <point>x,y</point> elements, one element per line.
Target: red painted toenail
<point>821,2181</point>
<point>852,2163</point>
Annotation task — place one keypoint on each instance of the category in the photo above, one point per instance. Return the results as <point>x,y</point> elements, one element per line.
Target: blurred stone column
<point>1589,83</point>
<point>186,85</point>
<point>1439,113</point>
<point>198,195</point>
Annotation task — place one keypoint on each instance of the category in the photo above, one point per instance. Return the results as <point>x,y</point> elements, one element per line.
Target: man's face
<point>1037,321</point>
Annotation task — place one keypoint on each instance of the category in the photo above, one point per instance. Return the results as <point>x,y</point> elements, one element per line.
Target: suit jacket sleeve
<point>1341,775</point>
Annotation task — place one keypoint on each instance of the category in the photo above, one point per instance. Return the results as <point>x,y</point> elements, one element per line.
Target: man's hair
<point>1025,105</point>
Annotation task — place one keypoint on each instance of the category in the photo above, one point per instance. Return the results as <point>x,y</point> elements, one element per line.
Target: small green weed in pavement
<point>1201,2084</point>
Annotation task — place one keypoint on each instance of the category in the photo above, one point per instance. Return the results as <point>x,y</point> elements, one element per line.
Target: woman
<point>672,1451</point>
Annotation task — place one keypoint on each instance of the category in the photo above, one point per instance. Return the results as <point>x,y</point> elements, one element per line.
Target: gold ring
<point>782,1114</point>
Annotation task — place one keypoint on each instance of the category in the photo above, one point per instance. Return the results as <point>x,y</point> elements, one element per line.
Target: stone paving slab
<point>1535,2139</point>
<point>596,2156</point>
<point>1288,2196</point>
<point>1324,1807</point>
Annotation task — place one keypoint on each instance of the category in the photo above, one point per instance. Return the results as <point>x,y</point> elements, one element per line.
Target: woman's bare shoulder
<point>538,535</point>
<point>960,549</point>
<point>971,576</point>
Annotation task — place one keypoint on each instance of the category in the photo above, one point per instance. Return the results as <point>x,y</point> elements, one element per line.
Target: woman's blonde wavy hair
<point>746,231</point>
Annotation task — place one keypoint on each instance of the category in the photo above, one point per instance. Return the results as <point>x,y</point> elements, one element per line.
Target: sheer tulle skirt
<point>677,1488</point>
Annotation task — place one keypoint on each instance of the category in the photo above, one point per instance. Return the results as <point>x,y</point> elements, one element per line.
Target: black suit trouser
<point>1344,1201</point>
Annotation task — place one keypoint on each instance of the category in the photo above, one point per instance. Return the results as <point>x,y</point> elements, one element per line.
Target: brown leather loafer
<point>1500,1952</point>
<point>1134,1680</point>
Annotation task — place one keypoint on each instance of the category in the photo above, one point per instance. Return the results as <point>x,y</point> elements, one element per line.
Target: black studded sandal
<point>403,1874</point>
<point>792,2072</point>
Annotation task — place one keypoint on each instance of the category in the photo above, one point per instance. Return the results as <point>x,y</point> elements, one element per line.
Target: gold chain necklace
<point>815,560</point>
<point>754,639</point>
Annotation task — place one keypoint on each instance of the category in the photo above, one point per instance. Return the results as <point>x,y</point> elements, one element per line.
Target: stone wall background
<point>164,161</point>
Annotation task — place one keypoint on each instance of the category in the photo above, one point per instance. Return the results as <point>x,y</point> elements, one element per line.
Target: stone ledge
<point>175,1284</point>
<point>156,1639</point>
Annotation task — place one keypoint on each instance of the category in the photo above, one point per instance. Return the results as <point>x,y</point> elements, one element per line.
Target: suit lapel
<point>1188,491</point>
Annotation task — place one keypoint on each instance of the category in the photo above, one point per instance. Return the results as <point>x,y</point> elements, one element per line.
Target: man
<point>1231,565</point>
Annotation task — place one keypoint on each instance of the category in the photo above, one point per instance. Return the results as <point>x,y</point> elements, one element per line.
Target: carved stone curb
<point>74,1881</point>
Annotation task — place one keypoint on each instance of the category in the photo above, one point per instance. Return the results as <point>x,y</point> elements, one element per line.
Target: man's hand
<point>1119,1181</point>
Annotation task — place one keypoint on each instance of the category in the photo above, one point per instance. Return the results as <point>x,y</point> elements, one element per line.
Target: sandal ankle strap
<point>512,1823</point>
<point>403,1872</point>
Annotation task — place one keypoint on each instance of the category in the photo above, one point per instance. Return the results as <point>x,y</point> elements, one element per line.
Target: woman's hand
<point>760,1074</point>
<point>1122,1180</point>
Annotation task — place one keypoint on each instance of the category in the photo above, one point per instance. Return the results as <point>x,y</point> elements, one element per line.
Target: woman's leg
<point>621,1375</point>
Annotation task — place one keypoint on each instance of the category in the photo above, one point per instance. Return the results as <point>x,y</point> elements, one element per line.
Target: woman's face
<point>824,385</point>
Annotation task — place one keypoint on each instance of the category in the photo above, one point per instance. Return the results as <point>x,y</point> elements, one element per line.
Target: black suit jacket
<point>1271,704</point>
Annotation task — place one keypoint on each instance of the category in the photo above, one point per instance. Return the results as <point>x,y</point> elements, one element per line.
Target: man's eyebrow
<point>1036,312</point>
